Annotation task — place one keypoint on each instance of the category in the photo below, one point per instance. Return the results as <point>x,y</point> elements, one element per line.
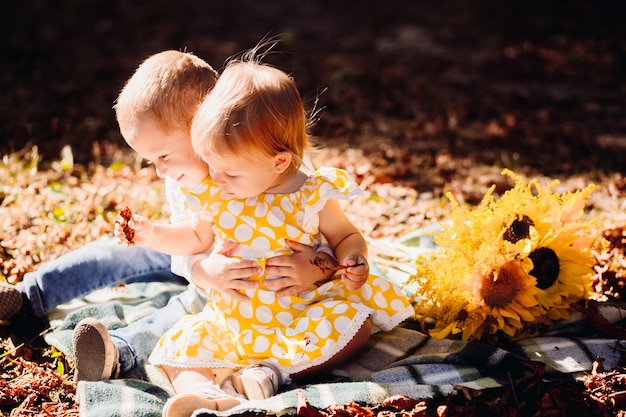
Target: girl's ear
<point>282,162</point>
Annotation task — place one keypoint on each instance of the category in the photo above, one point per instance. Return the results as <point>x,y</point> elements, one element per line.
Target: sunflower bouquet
<point>509,266</point>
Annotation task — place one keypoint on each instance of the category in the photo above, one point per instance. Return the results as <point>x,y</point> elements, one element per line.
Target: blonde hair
<point>167,88</point>
<point>253,111</point>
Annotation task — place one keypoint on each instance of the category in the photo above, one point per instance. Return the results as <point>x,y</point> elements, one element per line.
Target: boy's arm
<point>186,235</point>
<point>181,265</point>
<point>180,239</point>
<point>174,239</point>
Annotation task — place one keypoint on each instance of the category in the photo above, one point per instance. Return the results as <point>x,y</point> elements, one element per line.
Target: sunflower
<point>507,265</point>
<point>562,265</point>
<point>504,299</point>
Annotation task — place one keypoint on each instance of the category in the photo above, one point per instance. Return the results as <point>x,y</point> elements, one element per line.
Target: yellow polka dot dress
<point>294,332</point>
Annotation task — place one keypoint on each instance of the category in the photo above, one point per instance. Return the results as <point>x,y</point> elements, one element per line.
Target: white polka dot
<point>265,330</point>
<point>264,314</point>
<point>307,295</point>
<point>329,304</point>
<point>286,205</point>
<point>231,356</point>
<point>261,242</point>
<point>329,348</point>
<point>278,351</point>
<point>355,298</point>
<point>268,232</point>
<point>323,329</point>
<point>245,309</point>
<point>285,302</point>
<point>233,323</point>
<point>315,312</point>
<point>275,217</point>
<point>366,291</point>
<point>266,297</point>
<point>226,220</point>
<point>301,325</point>
<point>380,300</point>
<point>397,304</point>
<point>382,284</point>
<point>342,324</point>
<point>301,306</point>
<point>284,318</point>
<point>246,337</point>
<point>250,221</point>
<point>313,340</point>
<point>340,309</point>
<point>260,210</point>
<point>325,188</point>
<point>207,343</point>
<point>243,233</point>
<point>235,207</point>
<point>292,231</point>
<point>203,353</point>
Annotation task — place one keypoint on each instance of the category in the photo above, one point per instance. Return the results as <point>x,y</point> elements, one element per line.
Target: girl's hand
<point>225,274</point>
<point>355,276</point>
<point>298,271</point>
<point>141,234</point>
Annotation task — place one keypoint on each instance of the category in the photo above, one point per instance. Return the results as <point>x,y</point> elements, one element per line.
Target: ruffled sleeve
<point>325,184</point>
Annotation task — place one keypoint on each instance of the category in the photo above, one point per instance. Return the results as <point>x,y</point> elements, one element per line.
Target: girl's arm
<point>347,242</point>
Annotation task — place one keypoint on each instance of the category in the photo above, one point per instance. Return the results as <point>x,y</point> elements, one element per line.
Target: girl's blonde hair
<point>167,88</point>
<point>254,111</point>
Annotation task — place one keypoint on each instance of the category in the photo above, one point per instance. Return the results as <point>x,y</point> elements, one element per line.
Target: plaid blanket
<point>402,361</point>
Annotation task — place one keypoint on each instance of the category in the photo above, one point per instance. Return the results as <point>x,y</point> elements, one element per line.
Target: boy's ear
<point>282,162</point>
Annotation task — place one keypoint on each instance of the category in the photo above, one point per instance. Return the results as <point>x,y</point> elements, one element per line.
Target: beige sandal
<point>207,395</point>
<point>257,382</point>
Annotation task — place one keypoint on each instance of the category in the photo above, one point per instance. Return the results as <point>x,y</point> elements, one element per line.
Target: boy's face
<point>171,153</point>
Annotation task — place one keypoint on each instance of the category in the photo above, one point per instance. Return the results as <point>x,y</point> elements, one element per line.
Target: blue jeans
<point>102,264</point>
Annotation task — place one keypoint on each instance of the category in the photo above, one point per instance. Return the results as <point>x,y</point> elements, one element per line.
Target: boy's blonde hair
<point>166,88</point>
<point>253,111</point>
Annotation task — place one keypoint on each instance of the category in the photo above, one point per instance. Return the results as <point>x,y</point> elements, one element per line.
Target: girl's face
<point>243,178</point>
<point>171,153</point>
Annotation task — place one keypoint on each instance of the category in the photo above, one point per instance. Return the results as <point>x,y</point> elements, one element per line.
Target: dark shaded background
<point>539,84</point>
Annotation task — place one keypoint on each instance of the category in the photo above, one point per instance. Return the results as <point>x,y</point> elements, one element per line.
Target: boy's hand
<point>141,230</point>
<point>225,274</point>
<point>355,276</point>
<point>298,271</point>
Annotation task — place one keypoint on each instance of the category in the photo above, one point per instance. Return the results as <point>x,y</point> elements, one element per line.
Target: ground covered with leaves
<point>416,99</point>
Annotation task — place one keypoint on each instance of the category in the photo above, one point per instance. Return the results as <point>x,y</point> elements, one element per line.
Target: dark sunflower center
<point>519,229</point>
<point>462,315</point>
<point>546,267</point>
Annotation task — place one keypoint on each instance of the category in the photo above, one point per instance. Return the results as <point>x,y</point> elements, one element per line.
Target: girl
<point>251,131</point>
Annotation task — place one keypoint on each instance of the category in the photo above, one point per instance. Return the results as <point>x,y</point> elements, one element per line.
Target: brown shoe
<point>11,300</point>
<point>97,357</point>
